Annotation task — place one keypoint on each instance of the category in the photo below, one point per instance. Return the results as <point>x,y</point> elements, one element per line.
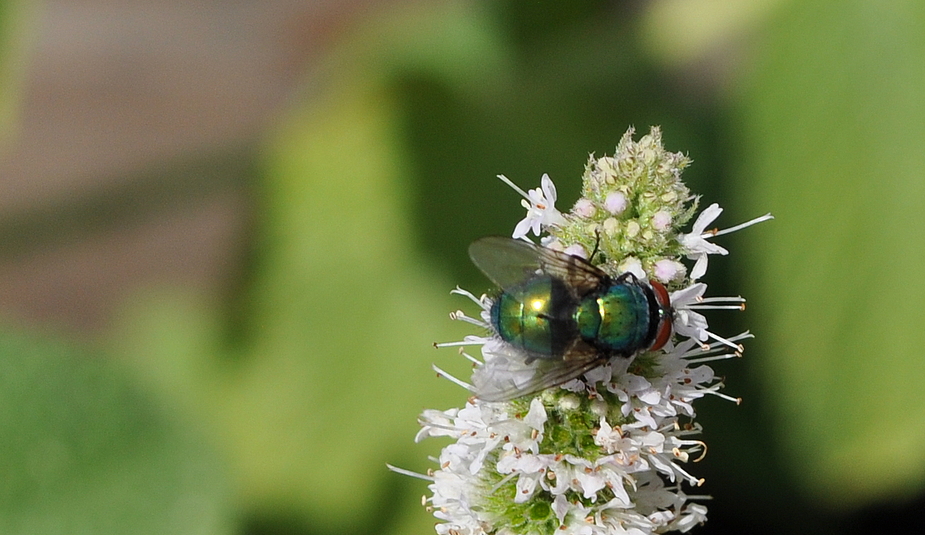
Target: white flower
<point>541,208</point>
<point>607,437</point>
<point>686,321</point>
<point>696,245</point>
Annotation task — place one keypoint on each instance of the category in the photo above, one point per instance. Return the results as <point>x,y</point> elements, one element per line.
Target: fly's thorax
<point>536,316</point>
<point>617,319</point>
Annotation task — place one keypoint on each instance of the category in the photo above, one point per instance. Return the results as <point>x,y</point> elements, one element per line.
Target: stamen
<point>425,425</point>
<point>690,429</point>
<point>690,479</point>
<point>470,295</point>
<point>737,347</point>
<point>452,379</point>
<point>749,223</point>
<point>695,443</point>
<point>705,349</point>
<point>698,496</point>
<point>704,453</point>
<point>470,358</point>
<point>404,472</point>
<point>736,299</point>
<point>713,307</point>
<point>515,187</point>
<point>737,401</point>
<point>459,315</point>
<point>722,356</point>
<point>468,341</point>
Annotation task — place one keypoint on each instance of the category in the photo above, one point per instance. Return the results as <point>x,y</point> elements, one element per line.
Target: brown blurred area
<point>133,156</point>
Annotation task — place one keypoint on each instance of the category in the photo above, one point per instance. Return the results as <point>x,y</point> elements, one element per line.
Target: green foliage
<point>834,121</point>
<point>341,315</point>
<point>83,450</point>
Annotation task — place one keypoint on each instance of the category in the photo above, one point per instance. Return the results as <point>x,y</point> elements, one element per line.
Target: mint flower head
<point>593,435</point>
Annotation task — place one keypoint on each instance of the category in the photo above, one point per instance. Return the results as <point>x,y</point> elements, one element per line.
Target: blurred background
<point>228,230</point>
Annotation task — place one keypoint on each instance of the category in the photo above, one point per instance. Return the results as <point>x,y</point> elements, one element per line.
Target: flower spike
<point>577,427</point>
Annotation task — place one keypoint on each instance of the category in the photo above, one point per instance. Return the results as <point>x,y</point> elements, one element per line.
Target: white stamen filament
<point>469,357</point>
<point>722,356</point>
<point>748,223</point>
<point>461,343</point>
<point>470,295</point>
<point>736,299</point>
<point>514,186</point>
<point>737,347</point>
<point>404,472</point>
<point>453,379</point>
<point>459,315</point>
<point>715,307</point>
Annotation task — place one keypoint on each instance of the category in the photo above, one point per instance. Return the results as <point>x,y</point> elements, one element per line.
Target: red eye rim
<point>664,329</point>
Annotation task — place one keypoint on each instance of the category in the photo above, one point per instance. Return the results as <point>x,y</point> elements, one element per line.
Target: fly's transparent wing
<point>509,372</point>
<point>509,262</point>
<point>506,375</point>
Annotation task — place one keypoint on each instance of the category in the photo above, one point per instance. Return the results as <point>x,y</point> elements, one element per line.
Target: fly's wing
<point>508,372</point>
<point>509,262</point>
<point>506,375</point>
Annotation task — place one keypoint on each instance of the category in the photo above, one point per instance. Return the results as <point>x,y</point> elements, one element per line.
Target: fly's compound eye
<point>664,328</point>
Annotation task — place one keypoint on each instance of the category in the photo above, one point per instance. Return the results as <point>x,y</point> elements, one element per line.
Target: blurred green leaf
<point>680,32</point>
<point>84,451</point>
<point>834,118</point>
<point>326,385</point>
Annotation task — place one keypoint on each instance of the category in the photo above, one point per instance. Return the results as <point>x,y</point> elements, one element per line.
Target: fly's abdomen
<point>536,316</point>
<point>616,320</point>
